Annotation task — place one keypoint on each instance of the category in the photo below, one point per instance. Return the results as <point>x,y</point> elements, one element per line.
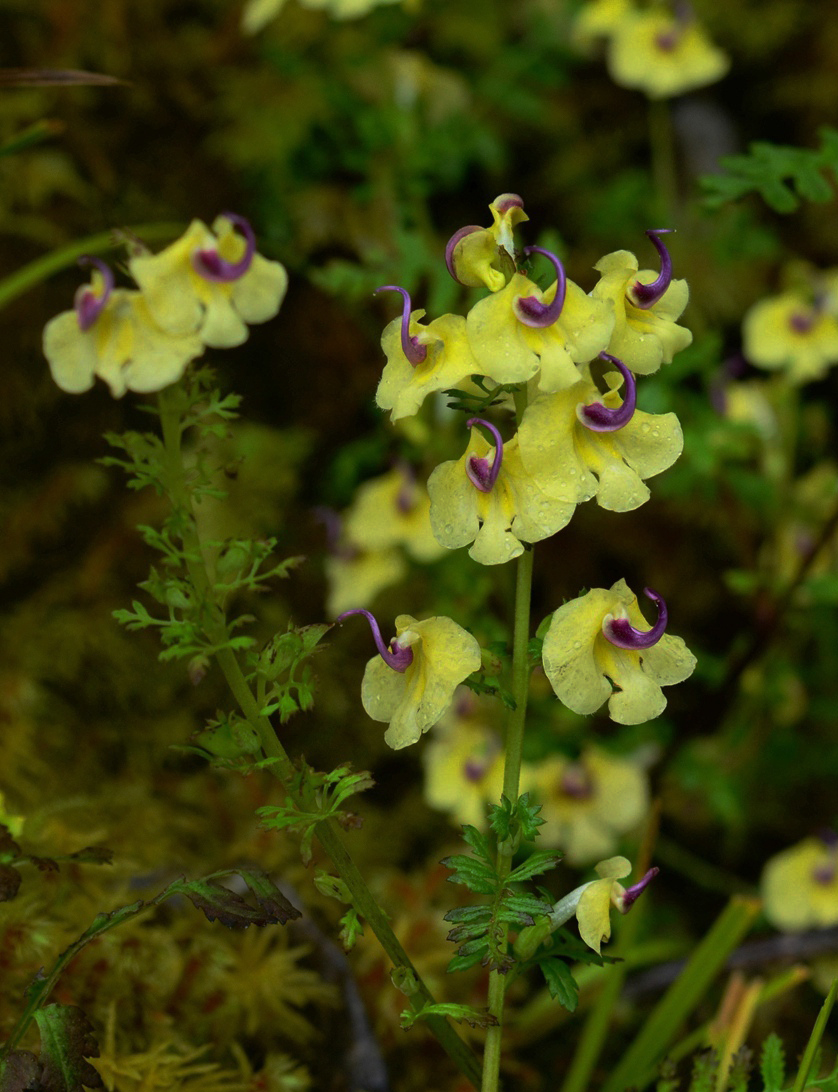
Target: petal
<point>594,913</point>
<point>547,443</point>
<point>615,868</point>
<point>168,281</point>
<point>669,661</point>
<point>258,295</point>
<point>497,338</point>
<point>382,689</point>
<point>650,443</point>
<point>453,504</point>
<point>568,652</point>
<point>70,353</point>
<point>638,697</point>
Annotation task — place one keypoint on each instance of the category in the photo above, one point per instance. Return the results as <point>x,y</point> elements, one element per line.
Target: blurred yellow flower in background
<point>794,332</point>
<point>589,803</point>
<point>463,762</point>
<point>800,885</point>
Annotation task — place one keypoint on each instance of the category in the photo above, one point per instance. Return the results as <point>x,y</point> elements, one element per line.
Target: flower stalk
<point>172,403</point>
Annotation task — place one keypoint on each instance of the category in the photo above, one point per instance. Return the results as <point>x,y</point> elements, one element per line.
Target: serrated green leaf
<point>772,1064</point>
<point>463,963</point>
<point>560,982</point>
<point>535,865</point>
<point>469,913</point>
<point>67,1040</point>
<point>478,842</point>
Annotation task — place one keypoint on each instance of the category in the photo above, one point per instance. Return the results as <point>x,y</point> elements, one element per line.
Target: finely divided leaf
<point>561,983</point>
<point>66,1041</point>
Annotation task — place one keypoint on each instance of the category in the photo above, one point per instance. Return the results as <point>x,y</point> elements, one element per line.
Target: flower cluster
<point>660,50</point>
<point>201,291</point>
<point>573,359</point>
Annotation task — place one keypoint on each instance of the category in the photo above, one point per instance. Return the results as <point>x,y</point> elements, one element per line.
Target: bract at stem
<point>88,305</point>
<point>646,295</point>
<point>620,632</point>
<point>411,348</point>
<point>480,473</point>
<point>532,312</point>
<point>599,418</point>
<point>398,658</point>
<point>209,264</point>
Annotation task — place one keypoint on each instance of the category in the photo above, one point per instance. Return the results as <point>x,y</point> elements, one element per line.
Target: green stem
<point>662,148</point>
<point>29,275</point>
<point>172,404</point>
<point>511,782</point>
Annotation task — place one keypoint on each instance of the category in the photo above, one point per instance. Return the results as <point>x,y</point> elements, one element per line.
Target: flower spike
<point>645,296</point>
<point>621,633</point>
<point>481,475</point>
<point>451,246</point>
<point>411,348</point>
<point>87,303</point>
<point>599,418</point>
<point>208,263</point>
<point>398,658</point>
<point>532,312</point>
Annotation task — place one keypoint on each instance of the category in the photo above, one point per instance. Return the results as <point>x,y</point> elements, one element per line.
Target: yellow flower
<point>498,506</point>
<point>591,903</point>
<point>421,359</point>
<point>392,510</point>
<point>794,332</point>
<point>663,54</point>
<point>800,885</point>
<point>589,803</point>
<point>464,763</point>
<point>578,443</point>
<point>600,648</point>
<point>646,305</point>
<point>478,256</point>
<point>521,331</point>
<point>112,334</point>
<point>411,682</point>
<point>211,282</point>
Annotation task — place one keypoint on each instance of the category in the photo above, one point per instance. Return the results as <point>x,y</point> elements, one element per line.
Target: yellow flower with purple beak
<point>477,256</point>
<point>796,332</point>
<point>600,648</point>
<point>492,501</point>
<point>421,359</point>
<point>520,331</point>
<point>589,802</point>
<point>211,282</point>
<point>800,885</point>
<point>591,904</point>
<point>579,443</point>
<point>411,682</point>
<point>111,334</point>
<point>646,306</point>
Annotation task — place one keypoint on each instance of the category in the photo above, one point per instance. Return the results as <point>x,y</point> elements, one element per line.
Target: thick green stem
<point>172,404</point>
<point>511,781</point>
<point>29,275</point>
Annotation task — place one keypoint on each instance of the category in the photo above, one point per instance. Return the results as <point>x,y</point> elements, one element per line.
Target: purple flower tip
<point>531,311</point>
<point>87,304</point>
<point>393,655</point>
<point>411,347</point>
<point>636,890</point>
<point>621,633</point>
<point>507,201</point>
<point>599,418</point>
<point>209,264</point>
<point>481,473</point>
<point>451,246</point>
<point>645,296</point>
